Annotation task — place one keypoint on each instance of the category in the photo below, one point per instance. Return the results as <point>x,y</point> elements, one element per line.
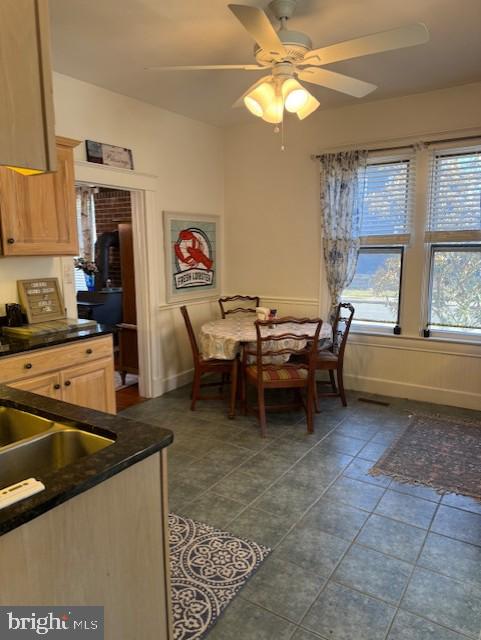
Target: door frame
<point>143,188</point>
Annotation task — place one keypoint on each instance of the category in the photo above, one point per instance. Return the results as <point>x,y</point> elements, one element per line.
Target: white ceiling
<point>109,42</point>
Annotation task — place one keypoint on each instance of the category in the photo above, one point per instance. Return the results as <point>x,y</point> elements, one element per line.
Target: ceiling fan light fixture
<point>275,110</point>
<point>260,98</point>
<point>309,107</point>
<point>294,94</point>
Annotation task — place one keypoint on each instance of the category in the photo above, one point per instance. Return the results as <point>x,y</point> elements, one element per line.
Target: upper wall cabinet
<point>27,138</point>
<point>38,213</point>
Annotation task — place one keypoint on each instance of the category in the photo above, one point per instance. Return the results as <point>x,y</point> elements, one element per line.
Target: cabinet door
<point>47,385</point>
<point>38,214</point>
<point>90,385</point>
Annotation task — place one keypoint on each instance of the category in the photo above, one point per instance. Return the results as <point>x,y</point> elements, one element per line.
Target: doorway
<point>105,278</point>
<point>143,190</point>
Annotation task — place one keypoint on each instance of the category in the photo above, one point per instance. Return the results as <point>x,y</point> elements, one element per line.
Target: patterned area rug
<point>437,451</point>
<point>208,568</point>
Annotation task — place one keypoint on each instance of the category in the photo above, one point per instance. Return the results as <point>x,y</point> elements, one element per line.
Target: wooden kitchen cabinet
<point>38,213</point>
<point>27,132</point>
<point>46,385</point>
<point>90,385</point>
<point>81,373</point>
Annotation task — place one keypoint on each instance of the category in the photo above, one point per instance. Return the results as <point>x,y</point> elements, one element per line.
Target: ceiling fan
<point>290,57</point>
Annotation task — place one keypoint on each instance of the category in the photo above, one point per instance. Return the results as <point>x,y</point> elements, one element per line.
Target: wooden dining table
<point>224,339</point>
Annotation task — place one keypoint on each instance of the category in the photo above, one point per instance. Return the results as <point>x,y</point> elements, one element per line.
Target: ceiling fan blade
<point>409,36</point>
<point>259,26</point>
<point>336,81</point>
<point>240,101</point>
<point>245,67</point>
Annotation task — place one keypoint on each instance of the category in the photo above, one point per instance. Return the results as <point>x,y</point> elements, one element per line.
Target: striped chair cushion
<point>279,374</point>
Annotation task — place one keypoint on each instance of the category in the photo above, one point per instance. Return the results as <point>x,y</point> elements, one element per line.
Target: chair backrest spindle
<point>190,331</point>
<point>226,300</point>
<point>341,327</point>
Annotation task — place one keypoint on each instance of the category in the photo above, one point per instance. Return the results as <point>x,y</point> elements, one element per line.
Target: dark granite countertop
<point>134,441</point>
<point>10,346</point>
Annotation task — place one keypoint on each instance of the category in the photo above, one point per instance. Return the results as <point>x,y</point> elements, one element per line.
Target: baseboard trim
<point>423,393</point>
<point>163,385</point>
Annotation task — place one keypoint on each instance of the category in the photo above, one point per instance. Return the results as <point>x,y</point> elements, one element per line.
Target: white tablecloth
<point>222,339</point>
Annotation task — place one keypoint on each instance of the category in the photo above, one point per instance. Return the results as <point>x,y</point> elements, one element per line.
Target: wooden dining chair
<point>202,366</point>
<point>264,374</point>
<point>226,301</point>
<point>332,360</point>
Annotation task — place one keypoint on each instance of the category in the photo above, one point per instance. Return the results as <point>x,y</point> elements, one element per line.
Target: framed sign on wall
<point>41,299</point>
<point>192,252</point>
<point>109,154</point>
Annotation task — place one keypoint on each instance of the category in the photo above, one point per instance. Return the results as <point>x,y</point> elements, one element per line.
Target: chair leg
<point>262,411</point>
<point>243,392</point>
<point>333,380</point>
<point>233,388</point>
<point>195,388</point>
<point>317,404</point>
<point>340,384</point>
<point>310,408</point>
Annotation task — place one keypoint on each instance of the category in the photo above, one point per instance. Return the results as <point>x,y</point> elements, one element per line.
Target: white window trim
<point>390,241</point>
<point>415,299</point>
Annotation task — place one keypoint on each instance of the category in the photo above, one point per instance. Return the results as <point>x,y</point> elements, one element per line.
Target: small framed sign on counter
<point>41,299</point>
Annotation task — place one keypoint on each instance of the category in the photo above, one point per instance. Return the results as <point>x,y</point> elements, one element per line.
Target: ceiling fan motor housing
<point>282,9</point>
<point>297,44</point>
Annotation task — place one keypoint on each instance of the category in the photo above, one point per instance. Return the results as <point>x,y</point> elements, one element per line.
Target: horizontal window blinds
<point>455,203</point>
<point>386,188</point>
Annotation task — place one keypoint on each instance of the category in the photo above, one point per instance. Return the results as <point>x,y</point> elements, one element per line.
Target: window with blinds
<point>386,188</point>
<point>455,203</point>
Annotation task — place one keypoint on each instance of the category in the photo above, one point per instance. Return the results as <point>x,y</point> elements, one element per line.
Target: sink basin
<point>17,425</point>
<point>47,453</point>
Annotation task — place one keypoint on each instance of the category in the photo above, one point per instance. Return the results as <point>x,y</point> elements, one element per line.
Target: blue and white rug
<point>208,568</point>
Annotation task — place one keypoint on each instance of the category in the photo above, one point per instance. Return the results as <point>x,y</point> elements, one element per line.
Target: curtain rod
<point>407,146</point>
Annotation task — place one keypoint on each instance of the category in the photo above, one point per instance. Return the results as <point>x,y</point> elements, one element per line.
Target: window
<point>455,288</point>
<point>386,201</point>
<point>454,301</point>
<point>375,289</point>
<point>455,211</point>
<point>426,249</point>
<point>85,225</point>
<point>375,292</point>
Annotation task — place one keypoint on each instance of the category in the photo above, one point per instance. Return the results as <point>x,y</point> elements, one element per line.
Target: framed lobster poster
<point>192,252</point>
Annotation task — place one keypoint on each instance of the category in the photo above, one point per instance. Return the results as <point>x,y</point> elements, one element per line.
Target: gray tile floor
<point>354,557</point>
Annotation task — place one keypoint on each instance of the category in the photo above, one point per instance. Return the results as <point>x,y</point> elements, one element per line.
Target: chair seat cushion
<point>279,373</point>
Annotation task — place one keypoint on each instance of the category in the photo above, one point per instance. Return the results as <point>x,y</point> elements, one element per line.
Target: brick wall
<point>111,208</point>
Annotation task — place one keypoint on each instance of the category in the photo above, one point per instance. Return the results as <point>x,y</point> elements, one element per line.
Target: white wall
<point>272,232</point>
<point>187,157</point>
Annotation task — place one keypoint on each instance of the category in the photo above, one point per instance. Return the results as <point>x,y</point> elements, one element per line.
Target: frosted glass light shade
<point>295,96</point>
<point>259,99</point>
<point>310,106</point>
<point>275,110</point>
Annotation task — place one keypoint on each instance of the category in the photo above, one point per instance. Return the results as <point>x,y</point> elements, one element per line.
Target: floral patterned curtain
<point>340,218</point>
<point>86,221</point>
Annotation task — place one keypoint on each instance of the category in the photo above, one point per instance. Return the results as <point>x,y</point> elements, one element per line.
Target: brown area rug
<point>437,451</point>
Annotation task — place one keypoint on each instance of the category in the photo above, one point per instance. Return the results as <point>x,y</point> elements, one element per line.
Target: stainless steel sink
<point>17,425</point>
<point>31,446</point>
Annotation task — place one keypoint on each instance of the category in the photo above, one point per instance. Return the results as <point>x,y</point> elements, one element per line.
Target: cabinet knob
<point>11,240</point>
<point>88,351</point>
<point>28,365</point>
<point>67,383</point>
<point>56,385</point>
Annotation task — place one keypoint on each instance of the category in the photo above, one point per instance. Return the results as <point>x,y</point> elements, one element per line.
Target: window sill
<point>404,337</point>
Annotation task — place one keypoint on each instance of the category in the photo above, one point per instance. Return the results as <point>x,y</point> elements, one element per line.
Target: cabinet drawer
<point>33,363</point>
